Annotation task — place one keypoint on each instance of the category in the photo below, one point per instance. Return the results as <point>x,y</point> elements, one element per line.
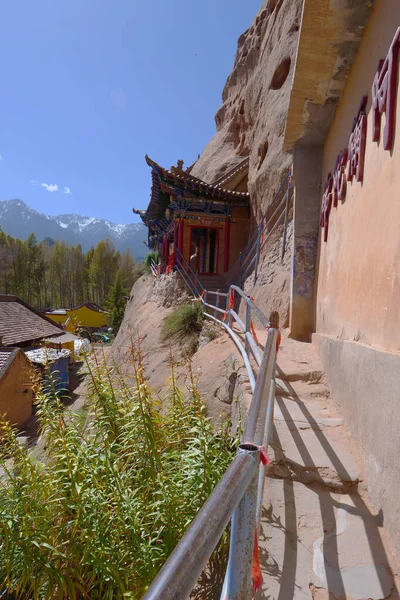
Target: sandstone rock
<point>251,122</point>
<point>169,290</point>
<point>208,333</point>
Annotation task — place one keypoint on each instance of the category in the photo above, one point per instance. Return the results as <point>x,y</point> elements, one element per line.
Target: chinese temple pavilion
<point>207,223</point>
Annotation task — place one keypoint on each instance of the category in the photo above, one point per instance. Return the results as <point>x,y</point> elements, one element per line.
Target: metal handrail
<point>249,257</point>
<point>196,287</point>
<point>238,495</point>
<point>255,232</point>
<point>153,267</point>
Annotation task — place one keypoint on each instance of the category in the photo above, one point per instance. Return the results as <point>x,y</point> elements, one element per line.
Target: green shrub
<point>185,321</point>
<point>99,513</point>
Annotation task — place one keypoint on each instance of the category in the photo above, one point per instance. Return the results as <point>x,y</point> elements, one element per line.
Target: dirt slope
<point>217,363</point>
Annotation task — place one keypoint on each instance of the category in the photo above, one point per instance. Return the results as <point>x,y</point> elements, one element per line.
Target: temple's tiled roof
<point>178,183</point>
<point>186,182</point>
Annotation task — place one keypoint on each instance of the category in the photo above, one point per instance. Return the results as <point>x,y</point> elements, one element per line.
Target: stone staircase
<point>320,538</point>
<point>213,283</point>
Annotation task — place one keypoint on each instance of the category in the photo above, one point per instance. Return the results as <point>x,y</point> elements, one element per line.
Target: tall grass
<point>183,321</point>
<point>99,513</point>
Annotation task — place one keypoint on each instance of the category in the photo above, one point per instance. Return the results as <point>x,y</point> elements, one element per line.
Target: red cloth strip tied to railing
<point>256,574</point>
<point>279,337</point>
<point>231,304</point>
<point>200,298</point>
<point>253,332</point>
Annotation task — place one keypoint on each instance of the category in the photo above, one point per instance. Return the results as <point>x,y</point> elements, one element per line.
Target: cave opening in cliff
<point>280,75</point>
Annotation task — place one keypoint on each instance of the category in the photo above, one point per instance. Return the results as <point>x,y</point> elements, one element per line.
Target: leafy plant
<point>116,301</point>
<point>99,513</point>
<point>184,321</point>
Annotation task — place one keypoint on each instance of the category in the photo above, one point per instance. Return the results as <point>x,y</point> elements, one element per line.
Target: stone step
<point>304,389</point>
<point>320,545</point>
<point>311,445</point>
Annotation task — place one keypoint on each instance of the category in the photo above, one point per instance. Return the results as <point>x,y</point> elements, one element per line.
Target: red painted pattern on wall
<point>384,94</point>
<point>326,206</point>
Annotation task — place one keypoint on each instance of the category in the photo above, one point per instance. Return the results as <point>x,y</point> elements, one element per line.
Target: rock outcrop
<point>251,121</point>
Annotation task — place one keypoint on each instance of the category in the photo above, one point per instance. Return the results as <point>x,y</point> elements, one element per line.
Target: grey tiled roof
<point>7,355</point>
<point>20,323</point>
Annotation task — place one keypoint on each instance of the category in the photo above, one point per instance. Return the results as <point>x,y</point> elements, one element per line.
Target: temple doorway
<point>204,250</point>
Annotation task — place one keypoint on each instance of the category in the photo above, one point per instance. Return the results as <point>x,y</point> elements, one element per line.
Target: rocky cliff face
<point>251,121</point>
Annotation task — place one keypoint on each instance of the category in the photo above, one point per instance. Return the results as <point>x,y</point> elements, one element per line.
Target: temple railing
<point>276,213</point>
<point>153,268</point>
<point>223,308</point>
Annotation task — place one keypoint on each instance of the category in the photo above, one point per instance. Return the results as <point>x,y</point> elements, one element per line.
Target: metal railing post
<point>247,326</point>
<point>216,304</point>
<point>257,253</point>
<point>228,301</point>
<point>269,421</point>
<point>238,578</point>
<point>285,224</point>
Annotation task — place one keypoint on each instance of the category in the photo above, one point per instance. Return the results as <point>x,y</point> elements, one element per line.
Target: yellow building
<point>86,316</point>
<point>15,386</point>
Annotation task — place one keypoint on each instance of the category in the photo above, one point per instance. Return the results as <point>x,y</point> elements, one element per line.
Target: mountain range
<point>19,220</point>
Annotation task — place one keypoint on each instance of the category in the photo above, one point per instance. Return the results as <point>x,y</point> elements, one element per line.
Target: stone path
<point>320,539</point>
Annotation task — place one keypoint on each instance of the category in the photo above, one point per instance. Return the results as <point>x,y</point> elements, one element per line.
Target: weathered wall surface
<point>16,391</point>
<point>358,281</point>
<point>359,266</point>
<point>364,384</point>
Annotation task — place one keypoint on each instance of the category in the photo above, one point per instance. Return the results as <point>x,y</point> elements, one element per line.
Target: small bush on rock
<point>184,321</point>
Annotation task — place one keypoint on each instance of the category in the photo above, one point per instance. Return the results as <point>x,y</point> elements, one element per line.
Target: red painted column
<point>227,242</point>
<point>181,235</point>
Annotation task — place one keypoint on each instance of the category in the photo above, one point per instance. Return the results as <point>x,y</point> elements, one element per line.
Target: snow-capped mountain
<point>19,220</point>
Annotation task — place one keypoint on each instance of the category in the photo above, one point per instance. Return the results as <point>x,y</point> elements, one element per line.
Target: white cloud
<point>67,190</point>
<point>50,187</point>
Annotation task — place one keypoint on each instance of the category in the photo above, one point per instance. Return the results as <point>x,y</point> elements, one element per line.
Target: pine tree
<point>116,301</point>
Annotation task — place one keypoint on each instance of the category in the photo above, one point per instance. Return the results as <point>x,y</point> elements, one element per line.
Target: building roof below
<point>64,338</point>
<point>43,356</point>
<point>7,356</point>
<point>21,323</point>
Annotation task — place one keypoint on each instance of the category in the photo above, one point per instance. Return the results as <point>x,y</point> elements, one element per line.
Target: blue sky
<point>90,86</point>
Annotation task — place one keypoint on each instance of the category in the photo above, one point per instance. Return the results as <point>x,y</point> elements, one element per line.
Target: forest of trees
<point>53,274</point>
